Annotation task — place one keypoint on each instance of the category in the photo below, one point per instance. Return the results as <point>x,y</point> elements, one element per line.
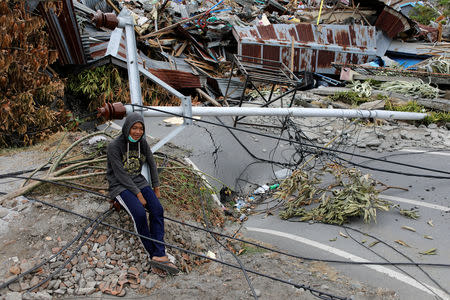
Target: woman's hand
<point>157,192</point>
<point>141,199</point>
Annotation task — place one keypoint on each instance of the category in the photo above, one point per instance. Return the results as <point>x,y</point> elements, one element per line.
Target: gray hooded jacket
<point>125,161</point>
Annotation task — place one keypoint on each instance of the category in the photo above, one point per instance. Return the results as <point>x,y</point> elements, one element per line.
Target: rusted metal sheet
<point>177,79</point>
<point>117,49</point>
<point>63,29</point>
<point>392,22</point>
<point>315,47</point>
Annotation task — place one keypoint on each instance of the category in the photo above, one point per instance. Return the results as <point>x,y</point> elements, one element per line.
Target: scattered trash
<point>227,195</point>
<point>96,139</point>
<point>432,251</point>
<point>211,254</point>
<point>242,217</point>
<point>409,228</point>
<point>262,189</point>
<point>174,121</point>
<point>402,243</point>
<point>343,235</point>
<point>412,213</point>
<point>333,240</point>
<point>430,222</point>
<point>240,203</point>
<point>272,187</point>
<point>373,243</point>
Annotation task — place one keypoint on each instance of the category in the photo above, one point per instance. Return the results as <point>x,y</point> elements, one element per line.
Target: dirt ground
<point>113,262</point>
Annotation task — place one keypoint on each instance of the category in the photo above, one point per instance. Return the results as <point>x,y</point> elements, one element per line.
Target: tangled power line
<point>303,147</point>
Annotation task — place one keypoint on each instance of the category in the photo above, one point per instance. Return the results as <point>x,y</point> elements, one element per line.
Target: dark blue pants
<point>138,213</point>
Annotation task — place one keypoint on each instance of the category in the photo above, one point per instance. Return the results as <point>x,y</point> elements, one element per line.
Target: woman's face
<point>136,131</point>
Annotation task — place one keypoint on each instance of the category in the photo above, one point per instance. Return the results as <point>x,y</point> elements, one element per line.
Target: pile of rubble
<point>216,51</point>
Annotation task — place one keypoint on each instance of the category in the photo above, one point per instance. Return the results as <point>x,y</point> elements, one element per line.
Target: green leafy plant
<point>437,117</point>
<point>350,195</point>
<point>351,97</point>
<point>99,85</point>
<point>423,14</point>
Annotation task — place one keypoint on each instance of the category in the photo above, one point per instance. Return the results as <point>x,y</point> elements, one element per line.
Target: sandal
<point>165,265</point>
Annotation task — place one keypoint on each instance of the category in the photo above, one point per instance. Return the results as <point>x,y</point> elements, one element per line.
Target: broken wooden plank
<point>170,27</point>
<point>181,49</point>
<point>207,97</point>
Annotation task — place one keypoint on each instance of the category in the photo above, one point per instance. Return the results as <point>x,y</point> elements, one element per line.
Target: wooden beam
<point>207,97</point>
<point>170,27</point>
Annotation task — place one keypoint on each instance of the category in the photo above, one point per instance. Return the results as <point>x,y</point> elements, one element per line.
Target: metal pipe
<point>132,62</point>
<point>162,111</point>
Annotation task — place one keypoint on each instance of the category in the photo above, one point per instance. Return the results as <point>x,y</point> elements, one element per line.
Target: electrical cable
<point>322,149</point>
<point>168,244</point>
<point>67,245</point>
<point>220,243</point>
<point>247,150</point>
<point>75,252</point>
<point>302,286</point>
<point>397,267</point>
<point>309,258</point>
<point>299,286</point>
<point>399,252</point>
<point>251,243</point>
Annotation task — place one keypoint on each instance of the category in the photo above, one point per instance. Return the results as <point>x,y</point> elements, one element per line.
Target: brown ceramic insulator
<point>111,111</point>
<point>108,20</point>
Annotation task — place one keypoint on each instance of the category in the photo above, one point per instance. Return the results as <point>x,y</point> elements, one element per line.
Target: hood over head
<point>132,119</point>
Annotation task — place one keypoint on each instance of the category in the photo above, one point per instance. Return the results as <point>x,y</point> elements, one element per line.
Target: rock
<point>373,143</point>
<point>91,284</point>
<point>38,296</point>
<point>447,143</point>
<point>13,296</point>
<point>378,104</point>
<point>15,287</point>
<point>15,270</point>
<point>35,280</point>
<point>102,239</point>
<point>150,283</point>
<point>85,291</point>
<point>108,248</point>
<point>3,212</point>
<point>88,273</point>
<point>99,271</point>
<point>59,292</point>
<point>257,293</point>
<point>68,283</point>
<point>24,286</point>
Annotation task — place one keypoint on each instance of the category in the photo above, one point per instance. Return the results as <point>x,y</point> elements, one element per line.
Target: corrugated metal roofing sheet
<point>178,78</point>
<point>392,22</point>
<point>315,47</point>
<point>63,30</point>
